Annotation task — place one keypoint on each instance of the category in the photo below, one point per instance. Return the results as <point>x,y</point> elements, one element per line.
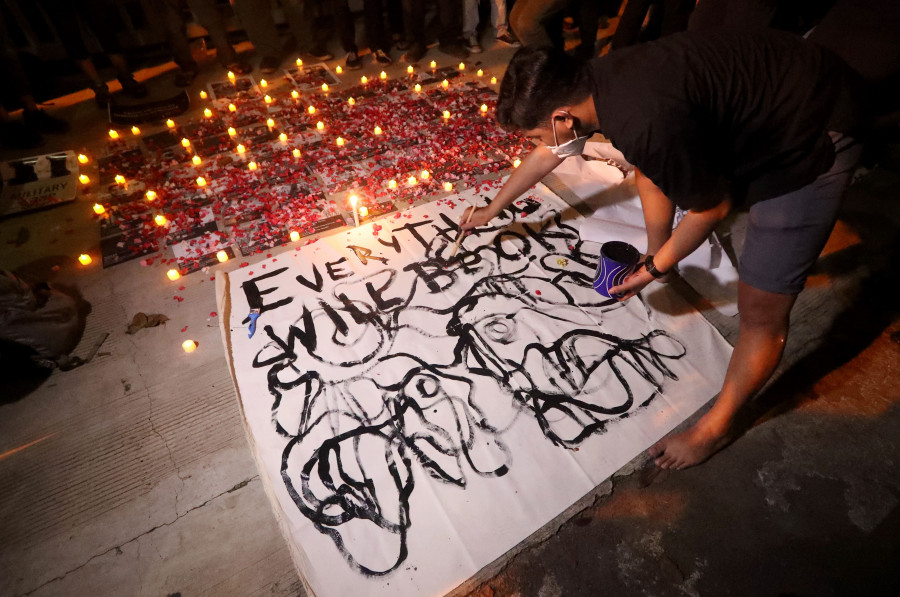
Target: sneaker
<point>454,49</point>
<point>133,88</point>
<point>472,44</point>
<point>15,135</point>
<point>352,61</point>
<point>269,64</point>
<point>509,39</point>
<point>415,53</point>
<point>320,54</point>
<point>381,57</point>
<point>101,94</point>
<point>41,122</point>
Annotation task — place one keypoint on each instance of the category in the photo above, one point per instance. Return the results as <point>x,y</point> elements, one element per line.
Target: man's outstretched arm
<point>536,165</point>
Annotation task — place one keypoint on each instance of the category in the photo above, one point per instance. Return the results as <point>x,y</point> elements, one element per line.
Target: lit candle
<point>170,123</point>
<point>231,76</point>
<point>295,94</point>
<point>338,69</point>
<point>517,162</point>
<point>339,141</point>
<point>196,160</point>
<point>120,179</point>
<point>84,179</point>
<point>252,166</point>
<point>270,123</point>
<point>135,130</point>
<point>446,114</point>
<point>267,99</point>
<point>484,107</point>
<point>241,149</point>
<point>445,83</point>
<point>231,131</point>
<point>84,259</point>
<point>299,62</point>
<point>160,220</point>
<point>320,125</point>
<point>448,186</point>
<point>282,137</point>
<point>99,209</point>
<point>364,80</point>
<point>151,195</point>
<point>203,95</point>
<point>410,69</point>
<point>311,109</point>
<point>424,175</point>
<point>392,184</point>
<point>201,182</point>
<point>82,159</point>
<point>325,87</point>
<point>411,181</point>
<point>173,274</point>
<point>222,256</point>
<point>113,134</point>
<point>295,236</point>
<point>480,72</point>
<point>353,200</point>
<point>232,108</point>
<point>296,153</point>
<point>263,83</point>
<point>363,211</point>
<point>433,64</point>
<point>418,88</point>
<point>351,101</point>
<point>493,80</point>
<point>189,346</point>
<point>185,142</point>
<point>207,113</point>
<point>462,66</point>
<point>377,130</point>
<point>383,75</point>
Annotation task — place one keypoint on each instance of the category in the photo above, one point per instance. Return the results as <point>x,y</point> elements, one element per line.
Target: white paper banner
<point>415,416</point>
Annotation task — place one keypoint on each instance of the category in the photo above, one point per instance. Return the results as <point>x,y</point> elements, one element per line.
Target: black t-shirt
<point>709,116</point>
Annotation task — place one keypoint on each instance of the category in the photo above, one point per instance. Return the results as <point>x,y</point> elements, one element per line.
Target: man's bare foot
<point>690,447</point>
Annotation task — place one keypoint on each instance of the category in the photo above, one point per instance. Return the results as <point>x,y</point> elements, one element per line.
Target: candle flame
<point>320,125</point>
<point>263,83</point>
<point>84,179</point>
<point>82,159</point>
<point>173,274</point>
<point>196,160</point>
<point>203,95</point>
<point>185,142</point>
<point>324,86</point>
<point>241,149</point>
<point>113,134</point>
<point>231,131</point>
<point>295,236</point>
<point>433,64</point>
<point>222,256</point>
<point>392,184</point>
<point>151,195</point>
<point>295,94</point>
<point>120,179</point>
<point>267,99</point>
<point>252,166</point>
<point>231,76</point>
<point>338,69</point>
<point>270,123</point>
<point>232,108</point>
<point>383,75</point>
<point>170,123</point>
<point>311,109</point>
<point>296,153</point>
<point>135,130</point>
<point>282,137</point>
<point>418,88</point>
<point>340,141</point>
<point>448,186</point>
<point>160,220</point>
<point>299,62</point>
<point>377,130</point>
<point>189,346</point>
<point>84,259</point>
<point>351,101</point>
<point>207,113</point>
<point>201,182</point>
<point>99,209</point>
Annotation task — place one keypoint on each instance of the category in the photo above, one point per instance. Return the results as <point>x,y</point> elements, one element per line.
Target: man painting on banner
<point>765,120</point>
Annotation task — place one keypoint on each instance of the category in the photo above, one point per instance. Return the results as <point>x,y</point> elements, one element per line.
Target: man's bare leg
<point>763,332</point>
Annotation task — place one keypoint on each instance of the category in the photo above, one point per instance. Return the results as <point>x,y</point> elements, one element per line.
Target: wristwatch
<point>651,267</point>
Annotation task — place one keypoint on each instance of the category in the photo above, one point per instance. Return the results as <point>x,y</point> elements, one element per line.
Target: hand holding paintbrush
<point>459,237</point>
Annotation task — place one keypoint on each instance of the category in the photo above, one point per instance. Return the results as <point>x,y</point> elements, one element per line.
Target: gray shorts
<point>786,234</point>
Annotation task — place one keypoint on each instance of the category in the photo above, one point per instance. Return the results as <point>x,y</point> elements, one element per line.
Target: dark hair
<point>537,81</point>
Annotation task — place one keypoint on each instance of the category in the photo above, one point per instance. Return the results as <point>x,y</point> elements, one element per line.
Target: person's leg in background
<point>414,16</point>
<point>97,14</point>
<point>500,22</point>
<point>588,12</point>
<point>529,20</point>
<point>397,24</point>
<point>26,134</point>
<point>257,20</point>
<point>450,36</point>
<point>378,38</point>
<point>343,21</point>
<point>311,33</point>
<point>470,26</point>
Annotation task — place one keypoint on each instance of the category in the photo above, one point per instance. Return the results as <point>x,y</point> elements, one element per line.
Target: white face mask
<point>570,148</point>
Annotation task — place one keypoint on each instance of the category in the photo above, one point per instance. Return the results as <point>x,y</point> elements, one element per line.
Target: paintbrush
<point>459,237</point>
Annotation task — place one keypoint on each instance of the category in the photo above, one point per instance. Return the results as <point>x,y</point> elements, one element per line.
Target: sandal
<point>184,78</point>
<point>239,68</point>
